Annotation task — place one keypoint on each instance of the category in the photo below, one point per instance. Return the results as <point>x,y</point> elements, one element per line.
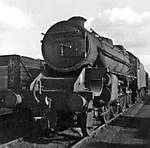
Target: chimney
<point>78,20</point>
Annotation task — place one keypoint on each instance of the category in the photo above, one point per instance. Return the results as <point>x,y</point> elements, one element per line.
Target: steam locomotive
<point>85,79</point>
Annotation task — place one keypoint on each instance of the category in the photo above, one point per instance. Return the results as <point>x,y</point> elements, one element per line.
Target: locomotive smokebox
<point>78,20</point>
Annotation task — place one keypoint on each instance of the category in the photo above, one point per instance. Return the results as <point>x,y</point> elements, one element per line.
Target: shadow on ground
<point>9,130</point>
<point>114,145</point>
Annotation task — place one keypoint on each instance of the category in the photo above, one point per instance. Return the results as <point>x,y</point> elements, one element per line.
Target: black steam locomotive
<point>86,79</point>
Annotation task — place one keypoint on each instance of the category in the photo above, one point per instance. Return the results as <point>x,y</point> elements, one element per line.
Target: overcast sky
<point>127,22</point>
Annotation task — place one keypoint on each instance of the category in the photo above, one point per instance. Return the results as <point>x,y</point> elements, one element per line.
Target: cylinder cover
<point>76,103</point>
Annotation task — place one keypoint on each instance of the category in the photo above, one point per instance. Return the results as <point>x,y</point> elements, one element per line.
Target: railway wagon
<point>16,74</point>
<point>86,80</point>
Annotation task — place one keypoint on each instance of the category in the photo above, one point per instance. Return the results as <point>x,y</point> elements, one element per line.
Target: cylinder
<point>76,103</point>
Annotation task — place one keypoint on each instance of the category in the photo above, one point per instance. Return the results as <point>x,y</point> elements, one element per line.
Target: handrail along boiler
<point>86,79</point>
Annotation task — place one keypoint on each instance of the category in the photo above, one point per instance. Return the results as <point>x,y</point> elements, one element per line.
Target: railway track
<point>66,139</point>
<point>94,133</point>
<point>10,143</point>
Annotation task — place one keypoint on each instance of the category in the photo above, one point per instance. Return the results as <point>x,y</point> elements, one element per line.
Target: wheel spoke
<point>106,115</point>
<point>115,110</point>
